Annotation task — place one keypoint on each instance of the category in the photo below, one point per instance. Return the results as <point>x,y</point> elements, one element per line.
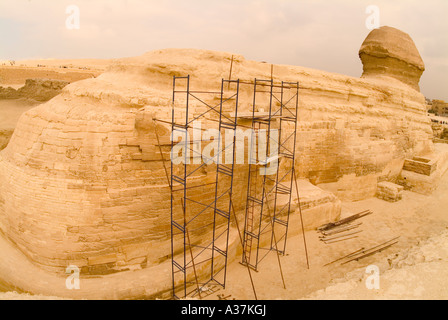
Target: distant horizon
<point>105,59</point>
<point>317,34</point>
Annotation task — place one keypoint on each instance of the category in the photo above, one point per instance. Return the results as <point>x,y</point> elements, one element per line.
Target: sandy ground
<point>25,296</point>
<point>420,272</point>
<point>414,268</point>
<point>67,70</point>
<point>11,110</point>
<point>56,63</point>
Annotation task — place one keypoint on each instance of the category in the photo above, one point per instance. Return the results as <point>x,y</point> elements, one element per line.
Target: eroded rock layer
<point>36,89</point>
<point>390,52</point>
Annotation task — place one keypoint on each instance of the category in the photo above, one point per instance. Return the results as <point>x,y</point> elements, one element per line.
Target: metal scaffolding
<point>269,192</point>
<point>192,212</point>
<point>201,206</point>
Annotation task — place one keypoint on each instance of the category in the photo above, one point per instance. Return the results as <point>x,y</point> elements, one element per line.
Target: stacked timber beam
<point>363,253</point>
<point>343,229</point>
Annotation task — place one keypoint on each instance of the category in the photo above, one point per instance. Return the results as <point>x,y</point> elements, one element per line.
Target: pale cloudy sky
<point>321,34</point>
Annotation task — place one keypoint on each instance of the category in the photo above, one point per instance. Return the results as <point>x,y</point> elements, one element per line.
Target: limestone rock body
<point>82,181</point>
<point>389,191</point>
<point>5,136</point>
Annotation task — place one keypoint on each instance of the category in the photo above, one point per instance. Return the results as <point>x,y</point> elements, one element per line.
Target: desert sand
<point>58,69</point>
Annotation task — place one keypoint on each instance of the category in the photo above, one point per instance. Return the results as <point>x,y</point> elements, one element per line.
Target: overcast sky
<point>321,34</point>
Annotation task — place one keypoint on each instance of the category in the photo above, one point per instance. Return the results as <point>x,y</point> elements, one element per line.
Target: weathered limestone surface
<point>5,136</point>
<point>418,181</point>
<point>389,191</point>
<point>37,89</point>
<point>390,52</point>
<point>420,165</point>
<point>318,206</point>
<point>82,182</point>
